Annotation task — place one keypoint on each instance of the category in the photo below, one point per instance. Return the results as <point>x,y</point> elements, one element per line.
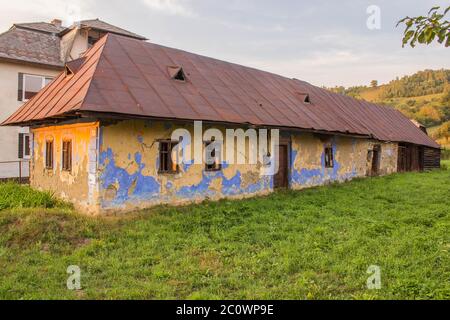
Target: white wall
<point>8,104</point>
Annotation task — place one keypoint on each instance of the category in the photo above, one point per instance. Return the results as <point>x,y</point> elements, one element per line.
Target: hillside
<point>423,96</point>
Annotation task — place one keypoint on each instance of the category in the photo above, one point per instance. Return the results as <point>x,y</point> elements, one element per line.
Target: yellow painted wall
<point>128,171</point>
<point>350,159</point>
<point>124,176</point>
<point>78,186</point>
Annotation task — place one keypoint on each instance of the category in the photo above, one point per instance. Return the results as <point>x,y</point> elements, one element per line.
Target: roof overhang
<point>32,63</point>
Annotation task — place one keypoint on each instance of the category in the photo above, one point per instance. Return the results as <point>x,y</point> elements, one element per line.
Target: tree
<point>374,83</point>
<point>427,29</point>
<point>429,115</point>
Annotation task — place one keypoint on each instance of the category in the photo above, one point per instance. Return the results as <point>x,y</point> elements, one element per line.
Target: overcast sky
<point>322,42</point>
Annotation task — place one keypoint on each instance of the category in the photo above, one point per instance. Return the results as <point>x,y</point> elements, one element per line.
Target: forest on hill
<point>423,96</point>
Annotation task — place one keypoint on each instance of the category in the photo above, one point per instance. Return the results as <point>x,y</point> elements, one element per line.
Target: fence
<point>18,170</point>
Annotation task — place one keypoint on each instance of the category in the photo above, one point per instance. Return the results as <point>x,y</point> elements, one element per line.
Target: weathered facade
<point>115,166</point>
<point>102,130</point>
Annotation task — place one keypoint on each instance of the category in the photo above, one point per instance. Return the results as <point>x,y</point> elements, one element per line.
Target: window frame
<point>67,167</point>
<point>170,166</point>
<point>49,161</point>
<point>43,83</point>
<point>329,157</point>
<point>24,147</point>
<point>27,146</point>
<point>217,166</point>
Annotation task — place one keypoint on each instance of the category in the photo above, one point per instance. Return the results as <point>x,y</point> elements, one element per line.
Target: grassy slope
<point>313,244</point>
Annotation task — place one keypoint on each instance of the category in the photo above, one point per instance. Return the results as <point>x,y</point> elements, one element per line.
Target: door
<point>281,177</point>
<point>376,160</point>
<point>401,167</point>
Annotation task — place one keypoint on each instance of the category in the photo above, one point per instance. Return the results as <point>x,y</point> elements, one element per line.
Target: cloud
<point>42,10</point>
<point>171,7</point>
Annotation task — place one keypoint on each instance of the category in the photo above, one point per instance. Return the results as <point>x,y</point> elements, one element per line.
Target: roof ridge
<point>30,26</point>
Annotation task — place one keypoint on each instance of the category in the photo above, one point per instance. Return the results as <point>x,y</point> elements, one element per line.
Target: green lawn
<point>312,244</point>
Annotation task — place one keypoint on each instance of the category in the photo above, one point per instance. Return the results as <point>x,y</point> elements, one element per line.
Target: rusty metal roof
<point>123,76</point>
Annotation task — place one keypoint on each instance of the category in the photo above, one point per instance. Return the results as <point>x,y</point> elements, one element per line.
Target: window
<point>67,155</point>
<point>30,85</point>
<point>212,157</point>
<point>329,159</point>
<point>166,164</point>
<point>49,154</point>
<point>24,146</point>
<point>91,41</point>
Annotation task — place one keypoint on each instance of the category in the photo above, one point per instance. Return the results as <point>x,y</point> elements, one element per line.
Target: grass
<point>13,195</point>
<point>445,164</point>
<point>313,244</point>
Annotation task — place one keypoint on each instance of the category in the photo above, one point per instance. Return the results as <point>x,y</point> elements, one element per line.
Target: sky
<point>323,42</point>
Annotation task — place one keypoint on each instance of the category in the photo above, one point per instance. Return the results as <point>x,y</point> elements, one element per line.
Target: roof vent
<point>68,71</point>
<point>177,73</point>
<point>303,97</point>
<point>73,66</point>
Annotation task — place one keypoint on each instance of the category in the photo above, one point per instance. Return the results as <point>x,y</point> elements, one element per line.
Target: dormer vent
<point>303,97</point>
<point>177,73</point>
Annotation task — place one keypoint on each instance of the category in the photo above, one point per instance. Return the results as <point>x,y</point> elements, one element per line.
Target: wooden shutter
<point>20,146</point>
<point>26,147</point>
<point>67,155</point>
<point>20,88</point>
<point>49,155</point>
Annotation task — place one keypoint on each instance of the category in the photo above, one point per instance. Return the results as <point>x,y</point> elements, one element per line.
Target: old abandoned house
<point>101,129</point>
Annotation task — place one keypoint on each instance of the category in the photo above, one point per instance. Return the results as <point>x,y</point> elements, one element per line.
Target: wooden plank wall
<point>432,159</point>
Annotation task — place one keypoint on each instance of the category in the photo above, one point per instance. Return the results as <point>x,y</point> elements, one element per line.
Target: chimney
<point>56,22</point>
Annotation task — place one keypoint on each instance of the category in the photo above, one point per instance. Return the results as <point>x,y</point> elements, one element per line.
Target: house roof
<point>32,43</point>
<point>126,77</point>
<point>100,25</point>
<point>41,26</point>
<point>40,42</point>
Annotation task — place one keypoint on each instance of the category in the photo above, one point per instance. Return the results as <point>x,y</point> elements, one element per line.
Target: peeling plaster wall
<point>350,159</point>
<point>128,170</point>
<point>78,186</point>
<point>115,166</point>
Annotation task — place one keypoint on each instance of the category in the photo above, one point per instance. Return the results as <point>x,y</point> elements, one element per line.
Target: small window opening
<point>68,71</point>
<point>213,156</point>
<point>180,76</point>
<point>329,158</point>
<point>49,154</point>
<point>91,41</point>
<point>26,144</point>
<point>304,97</point>
<point>177,73</point>
<point>166,165</point>
<point>67,155</point>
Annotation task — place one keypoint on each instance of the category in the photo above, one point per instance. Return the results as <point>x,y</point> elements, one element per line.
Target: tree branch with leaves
<point>425,30</point>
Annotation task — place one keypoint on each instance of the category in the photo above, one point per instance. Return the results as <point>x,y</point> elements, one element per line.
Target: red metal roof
<point>129,77</point>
